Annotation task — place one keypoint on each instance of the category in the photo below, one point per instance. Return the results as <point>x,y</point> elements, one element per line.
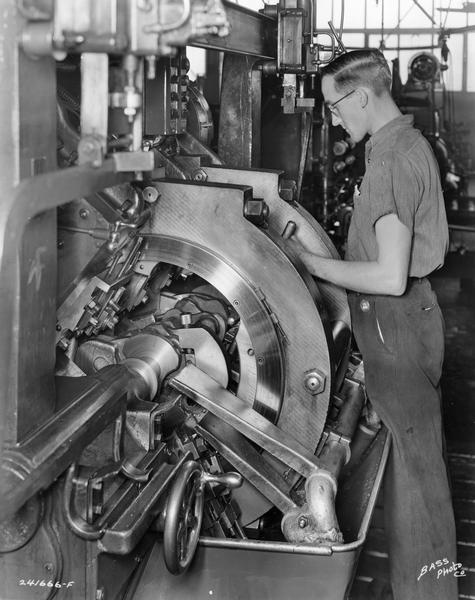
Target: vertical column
<point>27,148</point>
<point>239,143</point>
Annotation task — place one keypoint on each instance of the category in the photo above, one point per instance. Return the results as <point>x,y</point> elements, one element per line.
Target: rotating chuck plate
<point>286,333</point>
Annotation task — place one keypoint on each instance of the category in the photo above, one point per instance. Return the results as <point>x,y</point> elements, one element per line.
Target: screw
<point>250,351</point>
<point>48,566</point>
<point>200,175</point>
<point>303,522</point>
<point>150,194</point>
<point>84,213</point>
<point>260,360</point>
<point>236,302</point>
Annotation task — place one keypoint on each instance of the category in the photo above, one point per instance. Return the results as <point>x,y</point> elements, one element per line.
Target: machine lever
<point>230,480</point>
<point>289,230</point>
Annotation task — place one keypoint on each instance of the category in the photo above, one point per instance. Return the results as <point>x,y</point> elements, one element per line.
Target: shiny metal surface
<point>189,218</point>
<point>266,379</point>
<point>333,305</point>
<point>208,356</point>
<point>204,390</point>
<point>159,353</point>
<point>266,184</point>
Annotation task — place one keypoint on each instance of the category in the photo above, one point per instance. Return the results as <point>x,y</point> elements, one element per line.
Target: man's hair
<point>367,68</point>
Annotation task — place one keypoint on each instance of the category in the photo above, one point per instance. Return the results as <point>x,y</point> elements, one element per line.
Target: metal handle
<point>289,230</point>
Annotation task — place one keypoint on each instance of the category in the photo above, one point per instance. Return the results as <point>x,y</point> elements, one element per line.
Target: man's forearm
<point>366,277</point>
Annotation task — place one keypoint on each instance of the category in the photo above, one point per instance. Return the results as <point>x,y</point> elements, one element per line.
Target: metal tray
<point>225,569</point>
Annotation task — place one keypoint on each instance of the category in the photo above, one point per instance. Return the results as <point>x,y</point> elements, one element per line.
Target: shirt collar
<point>387,131</point>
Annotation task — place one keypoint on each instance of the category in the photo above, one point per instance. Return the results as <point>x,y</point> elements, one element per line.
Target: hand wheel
<point>184,514</point>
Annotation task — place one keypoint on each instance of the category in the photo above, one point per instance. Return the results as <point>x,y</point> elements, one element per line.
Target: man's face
<point>345,108</point>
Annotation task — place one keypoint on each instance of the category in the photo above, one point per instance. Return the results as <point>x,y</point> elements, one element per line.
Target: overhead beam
<point>249,33</point>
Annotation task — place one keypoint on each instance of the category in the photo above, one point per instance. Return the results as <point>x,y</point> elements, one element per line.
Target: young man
<point>398,236</point>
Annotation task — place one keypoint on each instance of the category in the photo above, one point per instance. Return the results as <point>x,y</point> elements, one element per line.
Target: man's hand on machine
<point>306,257</point>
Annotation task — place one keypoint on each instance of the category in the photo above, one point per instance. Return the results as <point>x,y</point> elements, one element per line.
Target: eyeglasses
<point>331,107</point>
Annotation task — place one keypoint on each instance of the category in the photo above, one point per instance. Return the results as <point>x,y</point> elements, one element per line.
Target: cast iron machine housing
<point>167,365</point>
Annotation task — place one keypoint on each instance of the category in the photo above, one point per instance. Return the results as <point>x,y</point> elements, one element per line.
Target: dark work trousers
<point>401,339</point>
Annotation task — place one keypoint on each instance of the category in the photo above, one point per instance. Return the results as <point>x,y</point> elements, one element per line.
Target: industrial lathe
<point>182,414</point>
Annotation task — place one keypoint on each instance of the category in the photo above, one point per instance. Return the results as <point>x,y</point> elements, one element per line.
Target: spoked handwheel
<point>184,514</point>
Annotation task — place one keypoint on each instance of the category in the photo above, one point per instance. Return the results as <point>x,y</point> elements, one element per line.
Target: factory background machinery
<point>182,411</point>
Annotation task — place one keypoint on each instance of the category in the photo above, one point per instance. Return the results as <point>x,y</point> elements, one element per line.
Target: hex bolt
<point>314,381</point>
<point>84,213</point>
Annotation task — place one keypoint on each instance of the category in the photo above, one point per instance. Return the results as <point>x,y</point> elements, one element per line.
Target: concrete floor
<point>458,386</point>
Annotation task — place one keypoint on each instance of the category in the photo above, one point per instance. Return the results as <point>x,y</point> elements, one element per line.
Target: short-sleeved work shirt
<point>402,178</point>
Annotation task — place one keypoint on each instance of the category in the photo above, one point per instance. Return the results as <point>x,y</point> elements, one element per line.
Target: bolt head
<point>314,381</point>
<point>150,194</point>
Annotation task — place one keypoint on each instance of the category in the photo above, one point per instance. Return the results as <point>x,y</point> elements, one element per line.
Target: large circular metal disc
<point>202,228</point>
